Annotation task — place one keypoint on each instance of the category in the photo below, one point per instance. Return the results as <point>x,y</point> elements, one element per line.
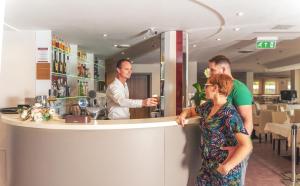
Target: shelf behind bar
<point>61,50</point>
<point>74,76</point>
<point>73,97</point>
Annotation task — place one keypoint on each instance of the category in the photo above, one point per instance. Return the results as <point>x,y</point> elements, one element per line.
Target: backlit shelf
<point>74,76</point>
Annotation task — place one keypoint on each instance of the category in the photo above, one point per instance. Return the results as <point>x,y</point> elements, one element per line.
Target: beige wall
<point>154,69</point>
<point>17,75</point>
<point>192,75</point>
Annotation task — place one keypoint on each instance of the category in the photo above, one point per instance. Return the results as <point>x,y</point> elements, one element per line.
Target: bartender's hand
<point>150,102</point>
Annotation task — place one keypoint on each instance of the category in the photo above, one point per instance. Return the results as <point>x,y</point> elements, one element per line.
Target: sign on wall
<point>266,42</point>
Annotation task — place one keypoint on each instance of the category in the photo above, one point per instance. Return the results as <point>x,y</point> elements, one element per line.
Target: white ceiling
<point>85,21</point>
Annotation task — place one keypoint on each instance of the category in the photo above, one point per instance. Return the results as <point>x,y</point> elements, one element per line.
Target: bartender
<point>117,93</point>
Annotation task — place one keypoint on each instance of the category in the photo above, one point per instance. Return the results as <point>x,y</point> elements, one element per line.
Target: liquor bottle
<point>53,61</point>
<point>61,88</point>
<point>81,90</point>
<point>54,41</point>
<point>56,67</point>
<point>64,64</point>
<point>86,88</point>
<point>59,63</point>
<point>67,89</point>
<point>63,45</point>
<point>60,44</point>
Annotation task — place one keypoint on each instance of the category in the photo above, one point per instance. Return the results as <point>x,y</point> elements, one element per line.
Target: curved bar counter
<point>140,152</point>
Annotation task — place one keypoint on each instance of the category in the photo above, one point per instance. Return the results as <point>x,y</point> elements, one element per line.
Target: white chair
<point>282,107</point>
<point>281,118</point>
<point>260,121</point>
<point>296,117</point>
<point>272,107</point>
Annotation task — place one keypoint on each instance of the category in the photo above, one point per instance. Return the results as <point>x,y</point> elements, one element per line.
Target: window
<point>270,87</point>
<point>289,85</point>
<point>256,87</point>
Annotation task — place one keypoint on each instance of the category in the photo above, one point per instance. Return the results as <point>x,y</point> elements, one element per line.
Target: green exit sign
<point>266,44</point>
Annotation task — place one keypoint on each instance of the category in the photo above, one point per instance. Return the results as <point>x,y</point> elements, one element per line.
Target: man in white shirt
<point>118,102</point>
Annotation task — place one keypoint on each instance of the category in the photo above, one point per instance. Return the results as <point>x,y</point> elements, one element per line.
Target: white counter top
<point>13,119</point>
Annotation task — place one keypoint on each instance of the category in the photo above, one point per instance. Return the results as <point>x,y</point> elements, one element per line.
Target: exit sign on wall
<point>266,42</point>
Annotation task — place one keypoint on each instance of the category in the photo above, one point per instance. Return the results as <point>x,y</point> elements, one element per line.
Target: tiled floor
<point>266,168</point>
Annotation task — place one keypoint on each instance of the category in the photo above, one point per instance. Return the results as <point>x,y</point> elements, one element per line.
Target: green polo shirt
<point>240,94</point>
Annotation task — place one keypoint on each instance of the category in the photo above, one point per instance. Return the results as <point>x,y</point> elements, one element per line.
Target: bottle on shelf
<point>67,89</point>
<point>54,61</point>
<point>61,64</point>
<point>61,88</point>
<point>54,41</point>
<point>57,43</point>
<point>56,70</point>
<point>80,88</point>
<point>64,64</point>
<point>86,88</point>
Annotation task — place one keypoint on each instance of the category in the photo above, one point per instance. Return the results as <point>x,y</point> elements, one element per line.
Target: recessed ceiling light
<point>194,45</point>
<point>218,39</point>
<point>122,46</point>
<point>240,13</point>
<point>105,35</point>
<point>236,29</point>
<point>11,27</point>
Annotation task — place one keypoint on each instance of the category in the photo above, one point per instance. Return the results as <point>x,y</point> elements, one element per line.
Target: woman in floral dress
<point>221,126</point>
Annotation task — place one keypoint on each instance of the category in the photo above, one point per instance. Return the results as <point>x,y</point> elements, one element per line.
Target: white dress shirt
<point>118,102</point>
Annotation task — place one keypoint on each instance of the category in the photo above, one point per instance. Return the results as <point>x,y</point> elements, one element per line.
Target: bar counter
<point>139,152</point>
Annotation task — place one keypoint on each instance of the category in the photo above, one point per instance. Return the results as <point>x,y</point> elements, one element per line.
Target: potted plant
<point>199,94</point>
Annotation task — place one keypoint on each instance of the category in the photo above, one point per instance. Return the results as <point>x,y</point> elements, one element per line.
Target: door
<point>139,88</point>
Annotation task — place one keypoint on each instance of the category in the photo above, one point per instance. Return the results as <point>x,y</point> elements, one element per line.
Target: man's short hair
<point>220,59</point>
<point>121,61</point>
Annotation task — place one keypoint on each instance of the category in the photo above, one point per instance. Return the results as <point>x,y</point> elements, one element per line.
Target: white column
<point>174,71</point>
<point>295,82</point>
<point>249,80</point>
<point>2,11</point>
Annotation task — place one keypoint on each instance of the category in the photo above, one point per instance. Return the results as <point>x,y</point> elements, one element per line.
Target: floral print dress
<point>218,131</point>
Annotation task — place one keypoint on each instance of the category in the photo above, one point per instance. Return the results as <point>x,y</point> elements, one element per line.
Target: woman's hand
<point>181,120</point>
<point>186,113</point>
<point>223,169</point>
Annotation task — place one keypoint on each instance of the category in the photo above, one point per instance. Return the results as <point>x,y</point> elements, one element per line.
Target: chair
<point>256,108</point>
<point>260,121</point>
<point>282,107</point>
<point>296,117</point>
<point>282,118</point>
<point>272,107</point>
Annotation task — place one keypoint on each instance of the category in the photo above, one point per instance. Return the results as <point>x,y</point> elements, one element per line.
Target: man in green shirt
<point>240,97</point>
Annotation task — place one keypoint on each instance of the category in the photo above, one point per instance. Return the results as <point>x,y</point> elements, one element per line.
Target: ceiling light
<point>122,46</point>
<point>218,39</point>
<point>194,45</point>
<point>240,13</point>
<point>11,27</point>
<point>105,35</point>
<point>236,29</point>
